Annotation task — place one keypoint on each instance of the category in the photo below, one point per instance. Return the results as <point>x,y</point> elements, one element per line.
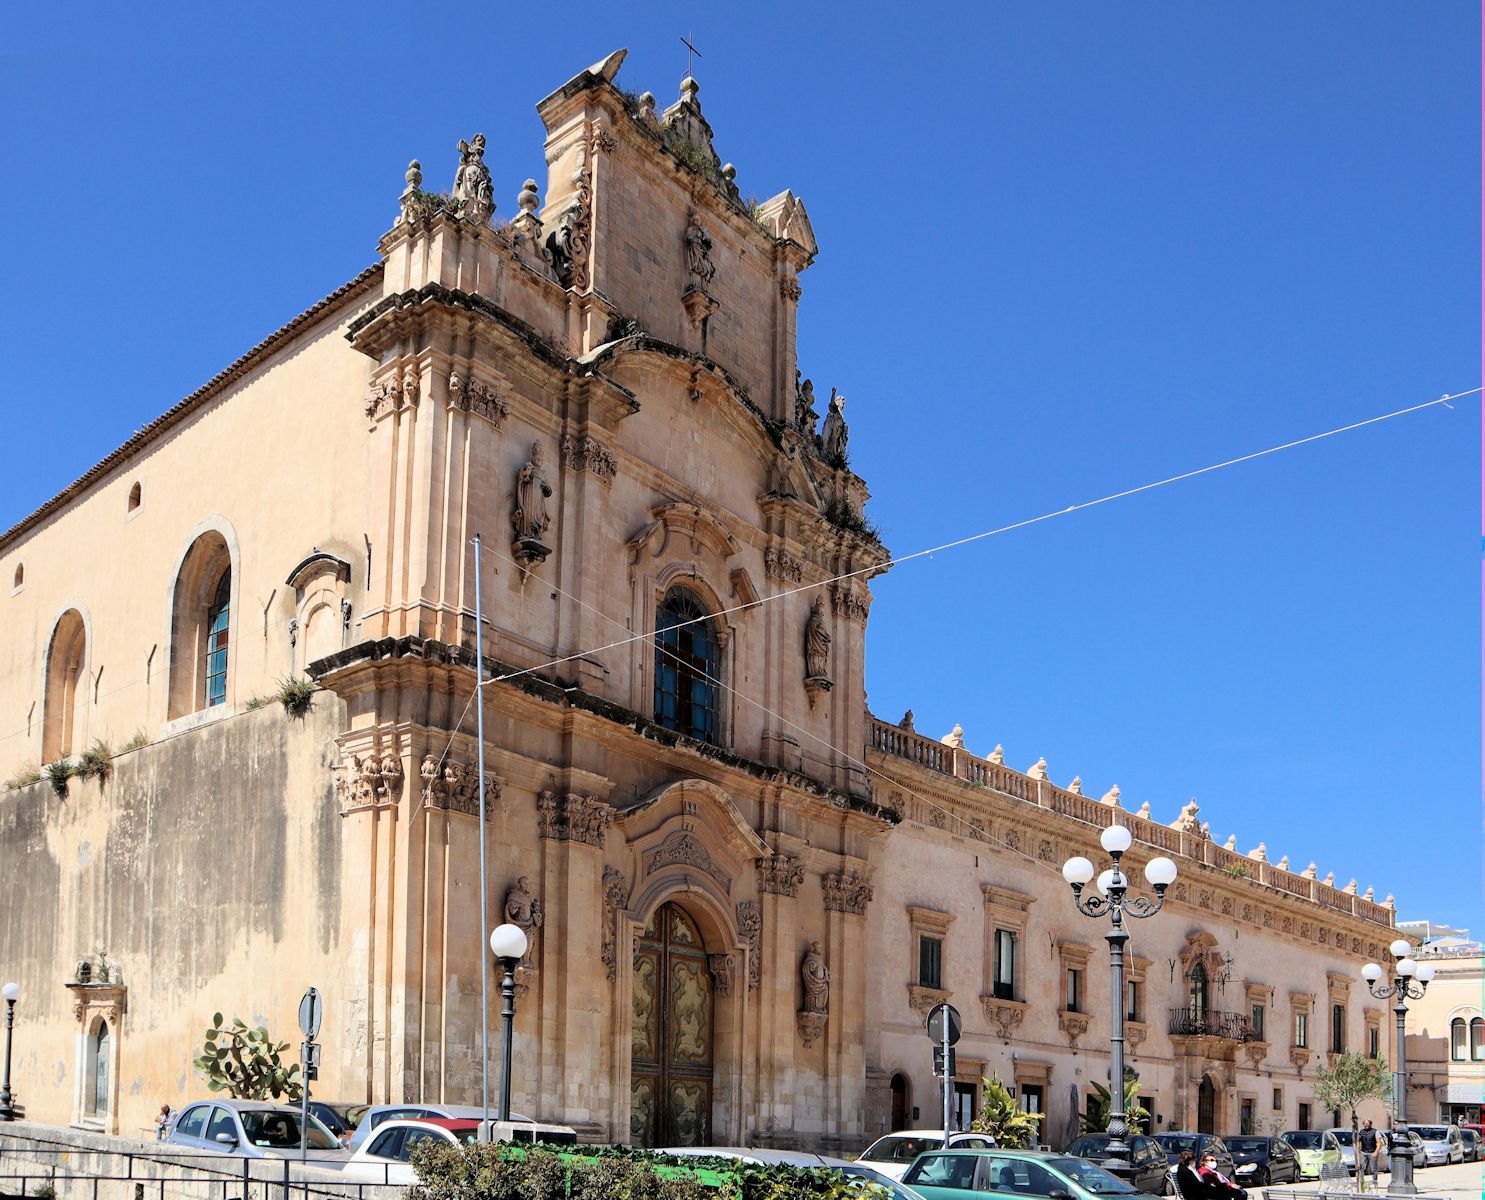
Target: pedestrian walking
<point>1371,1150</point>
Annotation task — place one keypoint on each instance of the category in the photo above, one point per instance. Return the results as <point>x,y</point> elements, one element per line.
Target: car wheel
<point>1169,1189</point>
<point>1260,1178</point>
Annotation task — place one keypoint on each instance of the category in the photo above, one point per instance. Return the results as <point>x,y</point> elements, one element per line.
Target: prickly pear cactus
<point>246,1064</point>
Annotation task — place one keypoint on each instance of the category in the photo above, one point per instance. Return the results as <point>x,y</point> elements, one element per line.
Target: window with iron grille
<point>687,668</point>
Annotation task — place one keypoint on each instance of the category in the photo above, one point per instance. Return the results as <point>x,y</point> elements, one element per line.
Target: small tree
<point>1003,1119</point>
<point>245,1064</point>
<point>1097,1120</point>
<point>1347,1082</point>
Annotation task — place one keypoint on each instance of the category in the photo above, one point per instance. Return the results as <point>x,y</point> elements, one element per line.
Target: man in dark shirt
<point>1370,1146</point>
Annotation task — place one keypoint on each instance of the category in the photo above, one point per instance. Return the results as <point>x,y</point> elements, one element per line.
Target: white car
<point>1441,1143</point>
<point>893,1153</point>
<point>385,1156</point>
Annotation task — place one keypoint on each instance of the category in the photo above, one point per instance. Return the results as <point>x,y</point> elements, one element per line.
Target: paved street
<point>1464,1179</point>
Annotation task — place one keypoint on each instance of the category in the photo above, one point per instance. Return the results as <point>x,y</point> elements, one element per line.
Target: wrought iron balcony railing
<point>1234,1027</point>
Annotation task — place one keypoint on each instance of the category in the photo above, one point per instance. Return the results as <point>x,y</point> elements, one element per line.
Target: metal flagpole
<point>479,709</point>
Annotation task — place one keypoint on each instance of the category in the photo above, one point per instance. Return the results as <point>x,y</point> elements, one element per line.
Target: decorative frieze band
<point>369,781</point>
<point>846,893</point>
<point>393,394</point>
<point>586,454</point>
<point>780,874</point>
<point>564,817</point>
<point>470,395</point>
<point>456,786</point>
<point>778,563</point>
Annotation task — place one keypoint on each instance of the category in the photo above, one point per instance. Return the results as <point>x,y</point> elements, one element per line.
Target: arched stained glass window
<point>688,664</point>
<point>218,619</point>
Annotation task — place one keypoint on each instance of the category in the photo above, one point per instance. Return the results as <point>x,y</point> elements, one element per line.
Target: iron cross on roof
<point>691,51</point>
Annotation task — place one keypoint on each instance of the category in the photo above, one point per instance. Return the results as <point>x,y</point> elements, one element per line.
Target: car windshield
<point>1174,1143</point>
<point>1342,1135</point>
<point>1086,1146</point>
<point>1431,1133</point>
<point>1244,1145</point>
<point>1302,1139</point>
<point>1089,1177</point>
<point>858,1179</point>
<point>900,1149</point>
<point>280,1131</point>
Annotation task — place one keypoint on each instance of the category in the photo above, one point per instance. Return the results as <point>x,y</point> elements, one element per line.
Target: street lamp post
<point>508,943</point>
<point>1409,982</point>
<point>12,993</point>
<point>1113,883</point>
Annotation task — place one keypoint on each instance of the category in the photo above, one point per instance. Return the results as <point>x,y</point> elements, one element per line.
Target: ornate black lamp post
<point>12,993</point>
<point>508,943</point>
<point>1409,982</point>
<point>1113,883</point>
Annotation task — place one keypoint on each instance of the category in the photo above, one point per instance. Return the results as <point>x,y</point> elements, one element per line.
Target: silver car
<point>1441,1143</point>
<point>377,1114</point>
<point>252,1129</point>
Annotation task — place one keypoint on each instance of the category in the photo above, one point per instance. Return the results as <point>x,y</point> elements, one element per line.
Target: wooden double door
<point>670,1096</point>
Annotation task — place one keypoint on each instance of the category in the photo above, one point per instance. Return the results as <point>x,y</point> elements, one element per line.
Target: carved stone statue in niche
<point>817,648</point>
<point>699,254</point>
<point>472,181</point>
<point>530,518</point>
<point>524,909</point>
<point>833,436</point>
<point>816,976</point>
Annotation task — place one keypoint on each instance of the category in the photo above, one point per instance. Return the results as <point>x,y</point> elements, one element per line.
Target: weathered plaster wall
<point>209,866</point>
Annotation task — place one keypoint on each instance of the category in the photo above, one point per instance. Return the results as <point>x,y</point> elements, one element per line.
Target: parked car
<point>893,1153</point>
<point>1146,1170</point>
<point>378,1114</point>
<point>253,1129</point>
<point>853,1171</point>
<point>333,1118</point>
<point>1441,1143</point>
<point>957,1174</point>
<point>1315,1148</point>
<point>1200,1145</point>
<point>387,1157</point>
<point>1260,1161</point>
<point>1471,1141</point>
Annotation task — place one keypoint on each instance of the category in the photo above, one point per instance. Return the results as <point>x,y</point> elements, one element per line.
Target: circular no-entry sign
<point>936,1019</point>
<point>312,1011</point>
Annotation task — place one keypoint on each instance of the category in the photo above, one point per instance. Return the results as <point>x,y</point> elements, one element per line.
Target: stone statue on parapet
<point>472,181</point>
<point>833,436</point>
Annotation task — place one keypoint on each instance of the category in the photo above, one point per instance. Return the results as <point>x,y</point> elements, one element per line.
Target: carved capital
<point>1004,1015</point>
<point>564,817</point>
<point>468,394</point>
<point>369,781</point>
<point>789,289</point>
<point>847,601</point>
<point>778,563</point>
<point>846,893</point>
<point>455,786</point>
<point>780,874</point>
<point>586,454</point>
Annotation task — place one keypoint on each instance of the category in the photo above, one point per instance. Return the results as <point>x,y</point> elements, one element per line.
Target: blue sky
<point>1066,249</point>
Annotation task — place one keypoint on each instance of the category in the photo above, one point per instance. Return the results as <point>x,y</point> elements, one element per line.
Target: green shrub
<point>139,741</point>
<point>296,695</point>
<point>246,1064</point>
<point>96,762</point>
<point>58,773</point>
<point>24,776</point>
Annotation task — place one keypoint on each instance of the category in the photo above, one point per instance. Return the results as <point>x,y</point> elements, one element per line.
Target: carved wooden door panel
<point>671,1061</point>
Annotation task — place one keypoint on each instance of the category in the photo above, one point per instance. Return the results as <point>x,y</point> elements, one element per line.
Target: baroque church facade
<point>743,891</point>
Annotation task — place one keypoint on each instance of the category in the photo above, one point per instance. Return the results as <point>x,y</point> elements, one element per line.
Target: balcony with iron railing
<point>1229,1026</point>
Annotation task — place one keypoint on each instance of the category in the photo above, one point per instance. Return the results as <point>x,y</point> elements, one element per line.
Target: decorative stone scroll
<point>455,786</point>
<point>1135,1033</point>
<point>1005,1015</point>
<point>1256,1052</point>
<point>722,967</point>
<point>750,927</point>
<point>615,891</point>
<point>1073,1026</point>
<point>587,454</point>
<point>778,563</point>
<point>572,817</point>
<point>683,848</point>
<point>923,1000</point>
<point>1300,1057</point>
<point>470,395</point>
<point>397,391</point>
<point>780,874</point>
<point>846,893</point>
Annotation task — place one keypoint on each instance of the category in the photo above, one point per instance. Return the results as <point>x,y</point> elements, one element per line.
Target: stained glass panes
<point>687,667</point>
<point>218,617</point>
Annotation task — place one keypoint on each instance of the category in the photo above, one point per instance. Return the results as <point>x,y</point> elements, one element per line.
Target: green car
<point>1315,1149</point>
<point>965,1174</point>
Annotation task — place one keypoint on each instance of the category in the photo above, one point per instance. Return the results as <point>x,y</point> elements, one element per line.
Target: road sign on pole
<point>311,1014</point>
<point>944,1027</point>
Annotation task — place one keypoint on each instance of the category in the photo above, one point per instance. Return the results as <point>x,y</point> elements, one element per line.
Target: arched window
<point>1456,1039</point>
<point>65,658</point>
<point>200,627</point>
<point>135,495</point>
<point>1198,992</point>
<point>1477,1039</point>
<point>688,661</point>
<point>19,579</point>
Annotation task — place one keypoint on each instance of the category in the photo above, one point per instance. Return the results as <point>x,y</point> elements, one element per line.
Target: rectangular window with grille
<point>1005,965</point>
<point>930,962</point>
